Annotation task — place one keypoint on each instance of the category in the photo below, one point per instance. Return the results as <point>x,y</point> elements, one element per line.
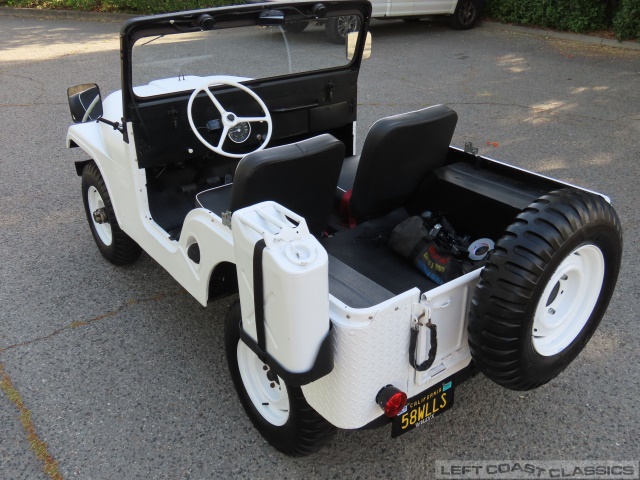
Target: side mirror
<point>352,42</point>
<point>85,102</point>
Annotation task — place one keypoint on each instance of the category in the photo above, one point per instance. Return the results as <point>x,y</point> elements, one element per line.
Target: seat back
<point>301,176</point>
<point>398,153</point>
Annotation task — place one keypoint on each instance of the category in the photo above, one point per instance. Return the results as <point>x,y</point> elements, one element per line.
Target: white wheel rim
<point>96,203</point>
<point>271,402</point>
<point>568,300</point>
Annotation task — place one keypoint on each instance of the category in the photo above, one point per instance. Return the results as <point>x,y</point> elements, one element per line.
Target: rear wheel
<point>115,245</point>
<point>337,28</point>
<point>466,15</point>
<point>279,411</point>
<point>545,288</point>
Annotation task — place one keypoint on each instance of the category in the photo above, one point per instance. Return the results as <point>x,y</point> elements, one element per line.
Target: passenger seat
<point>398,153</point>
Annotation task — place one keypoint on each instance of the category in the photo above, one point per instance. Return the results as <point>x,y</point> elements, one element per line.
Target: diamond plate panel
<point>366,359</point>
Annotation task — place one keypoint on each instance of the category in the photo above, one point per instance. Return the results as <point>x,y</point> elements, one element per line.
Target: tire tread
<point>123,250</point>
<point>501,305</point>
<point>305,432</point>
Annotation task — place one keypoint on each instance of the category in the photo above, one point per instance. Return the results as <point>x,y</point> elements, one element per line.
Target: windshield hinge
<point>173,117</point>
<point>469,148</point>
<point>329,91</point>
<point>226,218</point>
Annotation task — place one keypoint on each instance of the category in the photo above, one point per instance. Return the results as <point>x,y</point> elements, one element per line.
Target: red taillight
<point>391,400</point>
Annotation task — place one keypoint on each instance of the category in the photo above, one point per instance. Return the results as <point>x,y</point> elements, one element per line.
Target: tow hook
<point>100,215</point>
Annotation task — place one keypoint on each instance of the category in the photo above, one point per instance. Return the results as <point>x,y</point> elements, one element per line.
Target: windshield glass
<point>247,52</point>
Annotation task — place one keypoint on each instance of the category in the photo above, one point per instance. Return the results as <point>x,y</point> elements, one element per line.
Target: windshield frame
<point>226,17</point>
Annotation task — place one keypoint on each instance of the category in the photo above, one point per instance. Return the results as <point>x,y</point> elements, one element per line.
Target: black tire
<point>119,249</point>
<point>529,275</point>
<point>304,432</point>
<point>337,28</point>
<point>466,15</point>
<point>295,27</point>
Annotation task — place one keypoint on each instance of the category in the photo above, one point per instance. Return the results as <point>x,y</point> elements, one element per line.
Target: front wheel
<point>545,288</point>
<point>466,15</point>
<point>114,245</point>
<point>337,28</point>
<point>279,411</point>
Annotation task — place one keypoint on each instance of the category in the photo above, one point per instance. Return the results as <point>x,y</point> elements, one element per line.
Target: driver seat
<point>301,176</point>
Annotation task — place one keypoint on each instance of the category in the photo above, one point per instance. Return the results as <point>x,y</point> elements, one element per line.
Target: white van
<point>462,15</point>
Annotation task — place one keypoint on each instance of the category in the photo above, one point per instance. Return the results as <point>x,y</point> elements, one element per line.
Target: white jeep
<point>370,285</point>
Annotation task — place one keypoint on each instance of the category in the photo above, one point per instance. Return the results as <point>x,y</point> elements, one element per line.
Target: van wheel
<point>545,288</point>
<point>115,245</point>
<point>337,28</point>
<point>466,15</point>
<point>279,411</point>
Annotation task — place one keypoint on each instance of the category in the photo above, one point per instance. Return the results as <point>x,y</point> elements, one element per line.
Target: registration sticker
<point>424,407</point>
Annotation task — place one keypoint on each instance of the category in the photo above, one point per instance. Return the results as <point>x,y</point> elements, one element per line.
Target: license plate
<point>422,408</point>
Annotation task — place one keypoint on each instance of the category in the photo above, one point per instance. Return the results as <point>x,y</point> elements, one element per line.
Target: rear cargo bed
<point>478,196</point>
<point>365,249</point>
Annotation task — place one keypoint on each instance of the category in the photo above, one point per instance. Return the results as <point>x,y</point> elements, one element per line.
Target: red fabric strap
<point>345,209</point>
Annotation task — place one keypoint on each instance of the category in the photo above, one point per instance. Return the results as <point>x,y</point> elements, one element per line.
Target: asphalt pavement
<point>111,372</point>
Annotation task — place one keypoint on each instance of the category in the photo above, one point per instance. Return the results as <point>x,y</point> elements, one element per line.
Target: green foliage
<point>570,15</point>
<point>119,6</point>
<point>626,22</point>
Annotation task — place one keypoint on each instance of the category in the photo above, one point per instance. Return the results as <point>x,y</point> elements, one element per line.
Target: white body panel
<point>371,350</point>
<point>126,184</point>
<point>409,8</point>
<point>182,83</point>
<point>399,8</point>
<point>296,283</point>
<point>434,7</point>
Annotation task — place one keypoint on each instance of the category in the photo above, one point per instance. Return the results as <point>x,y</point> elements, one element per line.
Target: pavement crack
<point>84,323</point>
<point>39,447</point>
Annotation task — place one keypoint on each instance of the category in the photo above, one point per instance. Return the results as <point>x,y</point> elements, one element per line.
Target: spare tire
<point>545,288</point>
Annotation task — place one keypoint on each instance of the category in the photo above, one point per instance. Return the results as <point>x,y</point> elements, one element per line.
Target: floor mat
<point>168,209</point>
<point>365,249</point>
